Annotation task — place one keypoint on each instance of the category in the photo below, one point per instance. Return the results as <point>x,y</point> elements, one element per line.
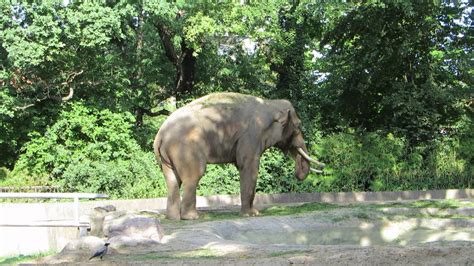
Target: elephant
<point>225,128</point>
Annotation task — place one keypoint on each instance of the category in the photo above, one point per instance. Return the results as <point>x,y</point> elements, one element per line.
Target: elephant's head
<point>291,140</point>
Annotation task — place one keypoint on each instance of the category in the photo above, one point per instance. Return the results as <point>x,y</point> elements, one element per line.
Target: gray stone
<point>88,244</point>
<point>133,225</point>
<point>105,208</point>
<point>96,219</point>
<point>122,241</point>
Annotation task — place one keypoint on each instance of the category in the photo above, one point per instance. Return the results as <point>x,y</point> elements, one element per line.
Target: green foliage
<point>304,208</point>
<point>91,150</point>
<point>399,72</point>
<point>138,177</point>
<point>389,69</point>
<point>16,260</point>
<point>374,162</point>
<point>219,179</point>
<point>276,175</point>
<point>3,173</point>
<point>79,133</point>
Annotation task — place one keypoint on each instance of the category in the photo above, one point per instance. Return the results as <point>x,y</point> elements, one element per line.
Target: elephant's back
<point>211,112</point>
<point>224,99</point>
<point>178,123</point>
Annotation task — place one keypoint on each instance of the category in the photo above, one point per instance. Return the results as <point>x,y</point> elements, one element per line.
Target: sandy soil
<point>345,236</point>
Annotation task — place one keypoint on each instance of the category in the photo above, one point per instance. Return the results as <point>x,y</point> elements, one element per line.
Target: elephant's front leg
<point>248,182</point>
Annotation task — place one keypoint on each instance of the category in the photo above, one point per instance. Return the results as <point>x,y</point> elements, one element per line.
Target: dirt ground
<point>358,234</point>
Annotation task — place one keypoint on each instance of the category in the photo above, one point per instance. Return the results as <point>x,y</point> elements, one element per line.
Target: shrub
<point>375,162</point>
<point>276,175</point>
<point>138,177</point>
<point>94,151</point>
<point>219,179</point>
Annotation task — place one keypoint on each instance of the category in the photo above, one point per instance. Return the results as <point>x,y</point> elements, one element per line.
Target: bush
<point>276,175</point>
<point>219,179</point>
<point>138,177</point>
<point>94,151</point>
<point>4,172</point>
<point>91,150</point>
<point>374,162</point>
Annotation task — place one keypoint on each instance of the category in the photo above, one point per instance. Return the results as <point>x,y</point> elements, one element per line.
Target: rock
<point>85,244</point>
<point>120,229</point>
<point>150,212</point>
<point>132,225</point>
<point>122,241</point>
<point>96,219</point>
<point>301,260</point>
<point>105,208</point>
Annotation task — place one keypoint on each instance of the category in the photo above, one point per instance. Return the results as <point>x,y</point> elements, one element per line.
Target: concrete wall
<point>29,240</point>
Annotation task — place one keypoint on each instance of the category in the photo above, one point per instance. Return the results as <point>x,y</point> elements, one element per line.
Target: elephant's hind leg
<point>188,206</point>
<point>173,183</point>
<point>190,177</point>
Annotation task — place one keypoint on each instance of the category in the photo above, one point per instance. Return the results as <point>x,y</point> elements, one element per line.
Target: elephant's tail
<point>160,156</point>
<point>156,148</point>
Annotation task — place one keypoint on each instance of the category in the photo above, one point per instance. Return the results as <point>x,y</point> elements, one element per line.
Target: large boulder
<point>96,219</point>
<point>107,222</point>
<point>132,225</point>
<point>141,231</point>
<point>120,242</point>
<point>86,244</point>
<point>80,249</point>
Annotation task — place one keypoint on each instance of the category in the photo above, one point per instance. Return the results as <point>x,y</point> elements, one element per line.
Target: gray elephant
<point>225,128</point>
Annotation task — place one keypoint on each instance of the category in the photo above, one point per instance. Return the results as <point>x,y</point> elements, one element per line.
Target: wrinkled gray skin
<point>224,128</point>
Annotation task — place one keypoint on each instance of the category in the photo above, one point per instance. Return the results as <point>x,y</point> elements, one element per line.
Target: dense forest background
<point>384,88</point>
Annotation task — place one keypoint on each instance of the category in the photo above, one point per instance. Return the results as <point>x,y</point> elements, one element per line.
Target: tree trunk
<point>185,62</point>
<point>185,71</point>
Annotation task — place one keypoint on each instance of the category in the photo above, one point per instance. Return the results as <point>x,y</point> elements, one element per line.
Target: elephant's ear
<point>294,119</point>
<point>282,116</point>
<point>287,115</point>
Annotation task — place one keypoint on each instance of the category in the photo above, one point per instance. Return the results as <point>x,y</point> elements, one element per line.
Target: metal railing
<point>82,226</point>
<point>30,189</point>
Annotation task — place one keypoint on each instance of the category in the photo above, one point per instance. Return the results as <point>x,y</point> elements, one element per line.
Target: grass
<point>417,204</point>
<point>293,210</point>
<point>440,204</point>
<point>284,253</point>
<point>364,211</point>
<point>13,260</point>
<point>206,216</point>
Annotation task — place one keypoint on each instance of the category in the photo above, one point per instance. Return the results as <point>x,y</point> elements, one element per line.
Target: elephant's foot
<point>249,212</point>
<point>190,215</point>
<point>173,215</point>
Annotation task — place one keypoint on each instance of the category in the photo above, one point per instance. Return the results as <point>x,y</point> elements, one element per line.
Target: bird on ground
<point>101,252</point>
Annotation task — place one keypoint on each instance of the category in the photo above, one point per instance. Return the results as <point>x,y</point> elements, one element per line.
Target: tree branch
<point>165,37</point>
<point>139,112</point>
<point>55,97</point>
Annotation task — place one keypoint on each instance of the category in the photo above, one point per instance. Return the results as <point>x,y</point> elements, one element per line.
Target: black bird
<point>101,252</point>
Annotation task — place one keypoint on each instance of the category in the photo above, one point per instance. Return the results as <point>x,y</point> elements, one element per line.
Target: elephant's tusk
<point>306,156</point>
<point>316,171</point>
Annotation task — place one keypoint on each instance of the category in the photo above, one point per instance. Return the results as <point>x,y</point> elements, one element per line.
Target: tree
<point>389,70</point>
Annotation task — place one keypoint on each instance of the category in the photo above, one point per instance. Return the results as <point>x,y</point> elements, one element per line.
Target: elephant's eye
<point>297,132</point>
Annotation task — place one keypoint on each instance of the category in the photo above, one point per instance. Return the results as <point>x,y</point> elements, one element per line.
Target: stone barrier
<point>34,240</point>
